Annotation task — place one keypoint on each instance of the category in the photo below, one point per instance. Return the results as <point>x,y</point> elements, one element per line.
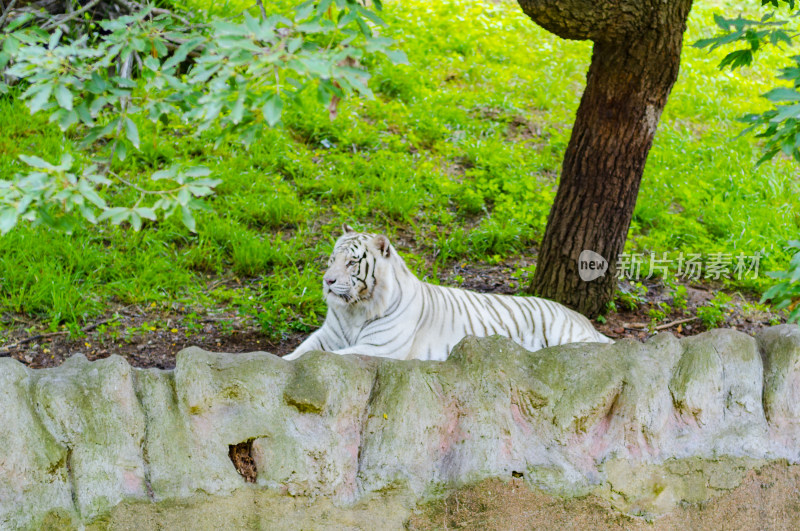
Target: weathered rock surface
<point>355,440</point>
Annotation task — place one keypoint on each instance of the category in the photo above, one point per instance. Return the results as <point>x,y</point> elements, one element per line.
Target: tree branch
<point>75,14</point>
<point>641,326</point>
<point>263,11</point>
<point>6,12</point>
<point>596,20</point>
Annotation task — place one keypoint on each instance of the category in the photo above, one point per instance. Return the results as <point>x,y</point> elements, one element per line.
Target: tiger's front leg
<point>398,350</point>
<point>319,340</point>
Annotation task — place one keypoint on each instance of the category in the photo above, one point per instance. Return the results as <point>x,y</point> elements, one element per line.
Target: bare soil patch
<point>766,499</point>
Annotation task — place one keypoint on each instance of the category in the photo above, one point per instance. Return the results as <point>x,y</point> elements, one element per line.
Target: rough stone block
<point>92,410</point>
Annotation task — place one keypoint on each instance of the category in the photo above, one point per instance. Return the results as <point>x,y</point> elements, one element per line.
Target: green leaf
<point>197,171</point>
<point>64,97</point>
<point>398,57</point>
<point>294,45</point>
<point>84,114</point>
<point>121,151</point>
<point>317,66</point>
<point>161,48</point>
<point>132,132</point>
<point>115,215</point>
<point>272,109</point>
<point>323,6</point>
<point>373,17</point>
<point>124,82</point>
<point>97,85</point>
<point>188,218</point>
<point>8,218</point>
<point>222,28</point>
<point>238,110</point>
<point>310,27</point>
<point>67,119</point>
<point>786,111</point>
<point>183,52</point>
<point>146,213</point>
<point>737,59</point>
<point>65,163</point>
<point>184,196</point>
<point>782,94</point>
<point>346,17</point>
<point>36,162</point>
<point>40,100</point>
<point>88,213</point>
<point>90,194</point>
<point>151,63</point>
<point>54,38</point>
<point>17,22</point>
<point>169,173</point>
<point>702,43</point>
<point>365,29</point>
<point>304,10</point>
<point>136,221</point>
<point>97,105</point>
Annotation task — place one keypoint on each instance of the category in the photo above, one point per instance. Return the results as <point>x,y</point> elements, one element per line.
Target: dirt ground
<point>221,330</point>
<point>767,499</point>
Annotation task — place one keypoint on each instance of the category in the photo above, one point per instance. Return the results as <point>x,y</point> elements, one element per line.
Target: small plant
<point>192,324</point>
<point>273,321</point>
<point>658,312</point>
<point>713,314</point>
<point>632,298</point>
<point>226,327</point>
<point>680,297</point>
<point>522,276</point>
<point>110,329</point>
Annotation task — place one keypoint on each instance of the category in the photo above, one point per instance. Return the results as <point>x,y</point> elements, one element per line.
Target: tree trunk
<point>634,64</point>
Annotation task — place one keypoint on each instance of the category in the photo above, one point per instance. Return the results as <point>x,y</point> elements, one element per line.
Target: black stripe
<point>475,305</point>
<point>529,306</point>
<point>499,300</point>
<point>545,322</point>
<point>490,307</point>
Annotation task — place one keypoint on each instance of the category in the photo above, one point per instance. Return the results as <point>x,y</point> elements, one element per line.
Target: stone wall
<point>645,426</point>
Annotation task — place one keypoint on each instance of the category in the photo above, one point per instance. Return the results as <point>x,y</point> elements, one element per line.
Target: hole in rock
<point>242,458</point>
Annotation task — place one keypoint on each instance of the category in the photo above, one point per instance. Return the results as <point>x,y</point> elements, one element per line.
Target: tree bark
<point>635,63</point>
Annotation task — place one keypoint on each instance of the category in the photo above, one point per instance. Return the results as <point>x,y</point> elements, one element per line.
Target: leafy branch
<point>235,76</point>
<point>778,126</point>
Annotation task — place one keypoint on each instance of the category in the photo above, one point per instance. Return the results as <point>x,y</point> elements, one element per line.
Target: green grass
<point>461,150</point>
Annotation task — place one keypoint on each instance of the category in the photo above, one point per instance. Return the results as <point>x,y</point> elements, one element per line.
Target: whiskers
<point>347,297</point>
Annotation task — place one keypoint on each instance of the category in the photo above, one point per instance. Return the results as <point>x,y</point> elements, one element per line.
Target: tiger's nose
<point>330,281</point>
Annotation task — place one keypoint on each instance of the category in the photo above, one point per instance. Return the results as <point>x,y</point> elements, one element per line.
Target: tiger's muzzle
<point>337,286</point>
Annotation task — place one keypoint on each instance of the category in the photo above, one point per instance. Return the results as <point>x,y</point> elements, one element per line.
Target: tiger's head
<point>360,270</point>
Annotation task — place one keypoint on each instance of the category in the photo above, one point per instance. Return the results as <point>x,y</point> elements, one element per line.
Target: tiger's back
<point>450,314</point>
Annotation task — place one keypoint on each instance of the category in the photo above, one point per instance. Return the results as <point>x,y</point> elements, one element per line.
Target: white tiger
<point>376,306</point>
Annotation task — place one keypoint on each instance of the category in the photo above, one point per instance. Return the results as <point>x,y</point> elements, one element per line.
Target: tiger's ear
<point>347,228</point>
<point>381,243</point>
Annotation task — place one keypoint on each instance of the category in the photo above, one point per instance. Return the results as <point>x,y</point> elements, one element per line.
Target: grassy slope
<point>459,153</point>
